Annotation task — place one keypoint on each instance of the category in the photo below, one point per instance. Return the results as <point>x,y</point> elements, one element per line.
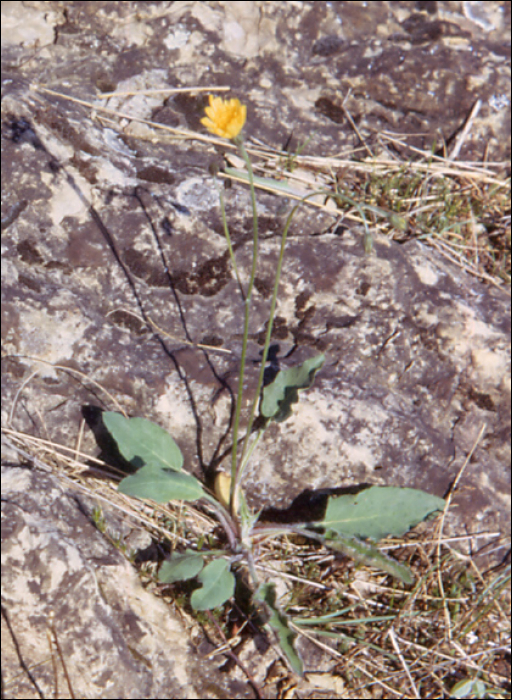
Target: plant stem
<point>237,473</point>
<point>264,356</point>
<point>247,303</point>
<point>268,336</point>
<point>228,239</point>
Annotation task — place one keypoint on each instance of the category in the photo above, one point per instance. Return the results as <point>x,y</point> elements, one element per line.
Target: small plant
<point>351,523</point>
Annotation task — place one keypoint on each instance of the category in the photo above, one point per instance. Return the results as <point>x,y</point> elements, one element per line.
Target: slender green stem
<point>228,239</point>
<point>273,303</point>
<point>244,155</point>
<point>236,474</point>
<point>266,346</point>
<point>247,303</point>
<point>246,455</point>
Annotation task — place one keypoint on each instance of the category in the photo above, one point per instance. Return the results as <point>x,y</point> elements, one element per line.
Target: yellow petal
<point>225,118</point>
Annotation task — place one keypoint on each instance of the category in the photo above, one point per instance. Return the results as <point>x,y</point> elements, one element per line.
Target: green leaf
<point>218,585</point>
<point>470,687</point>
<point>379,511</point>
<point>181,567</point>
<point>279,396</point>
<point>368,554</point>
<point>162,485</point>
<point>278,621</point>
<point>143,443</point>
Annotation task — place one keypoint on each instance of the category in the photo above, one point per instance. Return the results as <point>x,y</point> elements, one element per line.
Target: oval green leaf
<point>379,511</point>
<point>181,567</point>
<point>162,485</point>
<point>218,584</point>
<point>143,443</point>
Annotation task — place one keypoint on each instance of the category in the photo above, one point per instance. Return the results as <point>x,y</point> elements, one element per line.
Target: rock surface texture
<point>107,230</point>
<point>64,584</point>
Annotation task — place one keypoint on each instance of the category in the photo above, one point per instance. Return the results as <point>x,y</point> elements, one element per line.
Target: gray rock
<point>75,615</point>
<point>105,231</point>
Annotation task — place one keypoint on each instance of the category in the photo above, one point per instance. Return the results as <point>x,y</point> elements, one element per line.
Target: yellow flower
<point>225,117</point>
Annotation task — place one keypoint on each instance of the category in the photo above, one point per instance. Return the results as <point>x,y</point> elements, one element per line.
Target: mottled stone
<point>107,231</point>
<point>64,583</point>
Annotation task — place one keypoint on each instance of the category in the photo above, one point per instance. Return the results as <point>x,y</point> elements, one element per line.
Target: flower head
<point>225,117</point>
